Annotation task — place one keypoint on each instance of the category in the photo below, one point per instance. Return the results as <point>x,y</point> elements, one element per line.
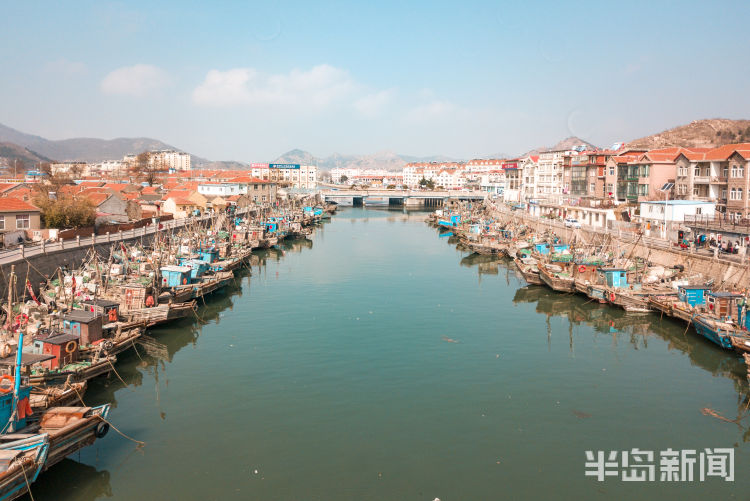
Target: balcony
<point>718,180</point>
<point>701,180</point>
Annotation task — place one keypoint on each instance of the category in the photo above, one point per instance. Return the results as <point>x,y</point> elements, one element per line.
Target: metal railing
<point>24,252</point>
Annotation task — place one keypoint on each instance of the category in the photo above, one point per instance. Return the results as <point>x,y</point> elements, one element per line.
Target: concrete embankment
<point>40,261</point>
<point>730,273</point>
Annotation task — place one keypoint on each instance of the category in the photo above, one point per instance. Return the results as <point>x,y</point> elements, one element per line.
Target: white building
<point>657,215</point>
<point>170,159</point>
<point>74,169</point>
<point>222,189</point>
<point>260,170</point>
<point>483,165</point>
<point>296,175</point>
<point>548,175</point>
<point>493,182</point>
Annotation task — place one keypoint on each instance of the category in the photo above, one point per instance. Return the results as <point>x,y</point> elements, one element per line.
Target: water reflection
<point>72,480</point>
<point>636,330</point>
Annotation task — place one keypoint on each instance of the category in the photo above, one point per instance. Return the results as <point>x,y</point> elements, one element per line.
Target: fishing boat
<point>714,329</point>
<point>529,270</point>
<point>21,461</point>
<point>556,277</point>
<point>54,358</point>
<point>162,313</point>
<point>46,397</point>
<point>66,429</point>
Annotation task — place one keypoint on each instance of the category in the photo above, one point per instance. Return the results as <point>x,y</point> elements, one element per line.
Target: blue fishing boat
<point>714,329</point>
<point>61,431</point>
<point>451,221</point>
<point>21,461</point>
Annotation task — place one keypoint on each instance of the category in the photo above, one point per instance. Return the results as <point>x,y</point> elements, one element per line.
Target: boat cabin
<point>62,347</point>
<point>196,267</point>
<point>694,295</point>
<point>451,222</point>
<point>173,276</point>
<point>84,325</point>
<point>614,277</point>
<point>137,297</point>
<point>723,304</point>
<point>209,255</point>
<point>110,310</point>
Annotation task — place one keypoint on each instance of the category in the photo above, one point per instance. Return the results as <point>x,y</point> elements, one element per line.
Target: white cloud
<point>318,87</point>
<point>139,80</point>
<point>372,105</point>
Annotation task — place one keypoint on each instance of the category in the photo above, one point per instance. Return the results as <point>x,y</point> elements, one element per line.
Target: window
<point>696,171</point>
<point>23,221</point>
<point>740,171</point>
<point>698,211</point>
<point>2,222</point>
<point>611,171</point>
<point>682,171</point>
<point>723,194</point>
<point>725,171</point>
<point>739,194</point>
<point>695,192</point>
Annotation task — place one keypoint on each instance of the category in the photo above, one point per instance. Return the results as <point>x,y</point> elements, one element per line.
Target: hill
<point>381,160</point>
<point>699,133</point>
<point>10,153</point>
<point>84,149</point>
<point>566,144</point>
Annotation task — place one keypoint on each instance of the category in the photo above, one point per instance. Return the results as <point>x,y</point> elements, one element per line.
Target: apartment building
<point>295,175</point>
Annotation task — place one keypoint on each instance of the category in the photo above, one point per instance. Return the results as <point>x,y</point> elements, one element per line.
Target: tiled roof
<point>8,204</point>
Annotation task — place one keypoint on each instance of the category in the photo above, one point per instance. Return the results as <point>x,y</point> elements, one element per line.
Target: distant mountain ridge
<point>566,144</point>
<point>381,160</point>
<point>83,149</point>
<point>708,133</point>
<point>11,152</point>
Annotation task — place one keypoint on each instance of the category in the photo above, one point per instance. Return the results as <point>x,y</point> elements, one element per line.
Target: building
<point>294,175</point>
<point>17,219</point>
<point>657,215</point>
<point>721,175</point>
<point>166,160</point>
<point>257,190</point>
<point>222,189</point>
<point>260,171</point>
<point>72,169</point>
<point>170,160</point>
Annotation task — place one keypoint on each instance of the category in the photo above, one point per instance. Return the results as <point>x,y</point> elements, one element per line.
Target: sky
<point>248,81</point>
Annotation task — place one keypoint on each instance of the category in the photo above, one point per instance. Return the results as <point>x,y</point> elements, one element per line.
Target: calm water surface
<point>376,361</point>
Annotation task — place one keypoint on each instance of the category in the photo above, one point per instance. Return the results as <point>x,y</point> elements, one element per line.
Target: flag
<point>31,292</point>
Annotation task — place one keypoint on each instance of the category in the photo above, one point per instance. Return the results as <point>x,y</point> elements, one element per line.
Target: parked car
<point>572,223</point>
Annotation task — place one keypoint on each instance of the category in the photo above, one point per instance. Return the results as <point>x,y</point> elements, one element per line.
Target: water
<point>378,362</point>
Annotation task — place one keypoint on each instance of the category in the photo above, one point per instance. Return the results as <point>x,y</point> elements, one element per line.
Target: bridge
<point>398,198</point>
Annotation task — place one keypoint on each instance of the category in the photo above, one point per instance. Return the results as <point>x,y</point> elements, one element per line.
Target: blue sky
<point>249,81</point>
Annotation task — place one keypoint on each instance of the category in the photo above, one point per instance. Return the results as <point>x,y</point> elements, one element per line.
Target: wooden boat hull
<point>740,343</point>
<point>99,368</point>
<point>556,283</point>
<point>528,273</point>
<point>43,398</point>
<point>711,330</point>
<point>25,467</point>
<point>632,303</point>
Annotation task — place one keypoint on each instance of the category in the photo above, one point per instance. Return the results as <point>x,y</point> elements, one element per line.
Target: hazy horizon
<point>249,82</point>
